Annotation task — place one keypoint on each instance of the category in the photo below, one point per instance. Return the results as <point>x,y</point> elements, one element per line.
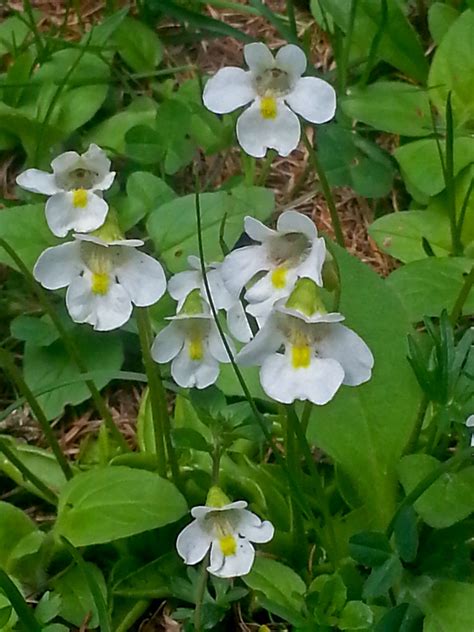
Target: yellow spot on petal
<point>228,545</point>
<point>100,282</point>
<point>279,278</point>
<point>268,107</point>
<point>300,356</point>
<point>79,198</point>
<point>195,349</point>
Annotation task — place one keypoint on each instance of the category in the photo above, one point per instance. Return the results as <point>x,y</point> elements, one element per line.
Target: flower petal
<point>216,345</point>
<point>238,323</point>
<point>104,312</point>
<point>265,343</point>
<point>96,160</point>
<point>256,230</point>
<point>312,266</point>
<point>258,57</point>
<point>318,383</point>
<point>168,343</point>
<point>142,276</point>
<point>194,373</point>
<point>193,543</point>
<point>344,345</point>
<point>38,182</point>
<point>232,565</point>
<point>230,88</point>
<point>62,216</point>
<point>104,183</point>
<point>264,289</point>
<point>181,284</point>
<point>57,266</point>
<point>314,99</point>
<point>241,265</point>
<point>257,134</point>
<point>294,222</point>
<point>292,60</point>
<point>251,527</point>
<point>64,162</point>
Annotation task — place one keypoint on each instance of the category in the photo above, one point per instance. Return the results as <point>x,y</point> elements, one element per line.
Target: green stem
<point>307,409</point>
<point>28,475</point>
<point>456,245</point>
<point>426,482</point>
<point>14,596</point>
<point>415,435</point>
<point>344,60</point>
<point>201,589</point>
<point>69,345</point>
<point>336,224</point>
<point>132,616</point>
<point>290,10</point>
<point>232,6</point>
<point>17,378</point>
<point>159,407</point>
<point>34,28</point>
<point>462,297</point>
<point>374,47</point>
<point>267,165</point>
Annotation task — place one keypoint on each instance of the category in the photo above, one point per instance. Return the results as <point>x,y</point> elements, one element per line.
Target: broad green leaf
<point>356,616</point>
<point>110,134</point>
<point>450,498</point>
<point>421,166</point>
<point>176,240</point>
<point>403,618</point>
<point>399,44</point>
<point>359,428</point>
<point>25,229</point>
<point>382,578</point>
<point>370,548</point>
<point>428,286</point>
<point>77,603</point>
<point>350,160</point>
<point>406,534</point>
<point>38,331</point>
<point>18,73</point>
<point>440,18</point>
<point>151,581</point>
<point>143,145</point>
<point>391,106</point>
<point>145,194</point>
<point>331,594</point>
<point>8,614</point>
<point>401,234</point>
<point>138,45</point>
<point>14,526</point>
<point>46,366</point>
<point>13,32</point>
<point>452,70</point>
<point>107,504</point>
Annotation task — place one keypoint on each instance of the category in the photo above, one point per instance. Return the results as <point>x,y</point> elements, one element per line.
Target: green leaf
<point>440,18</point>
<point>350,160</point>
<point>14,526</point>
<point>331,594</point>
<point>452,70</point>
<point>46,366</point>
<point>189,438</point>
<point>13,32</point>
<point>77,602</point>
<point>175,241</point>
<point>356,616</point>
<point>358,428</point>
<point>429,286</point>
<point>450,498</point>
<point>124,502</point>
<point>143,144</point>
<point>38,331</point>
<point>421,166</point>
<point>391,106</point>
<point>282,588</point>
<point>25,229</point>
<point>151,581</point>
<point>382,578</point>
<point>138,45</point>
<point>401,234</point>
<point>404,618</point>
<point>370,548</point>
<point>406,534</point>
<point>145,194</point>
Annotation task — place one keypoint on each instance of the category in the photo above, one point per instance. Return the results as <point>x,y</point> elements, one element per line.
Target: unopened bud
<point>217,498</point>
<point>193,304</point>
<point>110,229</point>
<point>306,298</point>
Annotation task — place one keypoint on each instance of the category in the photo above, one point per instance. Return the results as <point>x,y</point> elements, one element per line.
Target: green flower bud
<point>306,298</point>
<point>217,498</point>
<point>193,303</point>
<point>110,229</point>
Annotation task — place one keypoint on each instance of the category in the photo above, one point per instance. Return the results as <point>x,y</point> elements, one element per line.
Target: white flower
<point>271,85</point>
<point>228,531</point>
<point>319,355</point>
<point>286,254</point>
<point>193,345</point>
<point>74,187</point>
<point>182,284</point>
<point>470,425</point>
<point>103,279</point>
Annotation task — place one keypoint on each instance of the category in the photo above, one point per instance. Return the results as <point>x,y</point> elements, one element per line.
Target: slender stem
<point>28,475</point>
<point>456,245</point>
<point>374,47</point>
<point>69,344</point>
<point>462,297</point>
<point>17,378</point>
<point>462,214</point>
<point>307,409</point>
<point>201,590</point>
<point>415,435</point>
<point>267,165</point>
<point>14,596</point>
<point>426,482</point>
<point>32,24</point>
<point>290,10</point>
<point>233,6</point>
<point>344,59</point>
<point>336,223</point>
<point>154,391</point>
<point>135,612</point>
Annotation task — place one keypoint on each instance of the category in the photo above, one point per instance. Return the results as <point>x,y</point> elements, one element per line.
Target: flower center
<point>100,283</point>
<point>273,83</point>
<point>300,356</point>
<point>195,348</point>
<point>289,250</point>
<point>79,198</point>
<point>279,277</point>
<point>228,545</point>
<point>268,107</point>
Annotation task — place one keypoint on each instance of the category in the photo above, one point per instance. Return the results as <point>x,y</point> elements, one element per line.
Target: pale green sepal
<point>193,303</point>
<point>110,230</point>
<point>306,298</point>
<point>217,498</point>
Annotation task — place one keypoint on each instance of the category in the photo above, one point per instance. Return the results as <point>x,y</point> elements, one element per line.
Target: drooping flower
<point>228,529</point>
<point>277,92</point>
<point>470,426</point>
<point>103,278</point>
<point>183,283</point>
<point>284,255</point>
<point>75,190</point>
<point>319,353</point>
<point>193,345</point>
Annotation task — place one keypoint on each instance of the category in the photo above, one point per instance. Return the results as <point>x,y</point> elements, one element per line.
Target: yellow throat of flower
<point>300,356</point>
<point>268,107</point>
<point>79,198</point>
<point>278,277</point>
<point>100,283</point>
<point>195,349</point>
<point>228,545</point>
